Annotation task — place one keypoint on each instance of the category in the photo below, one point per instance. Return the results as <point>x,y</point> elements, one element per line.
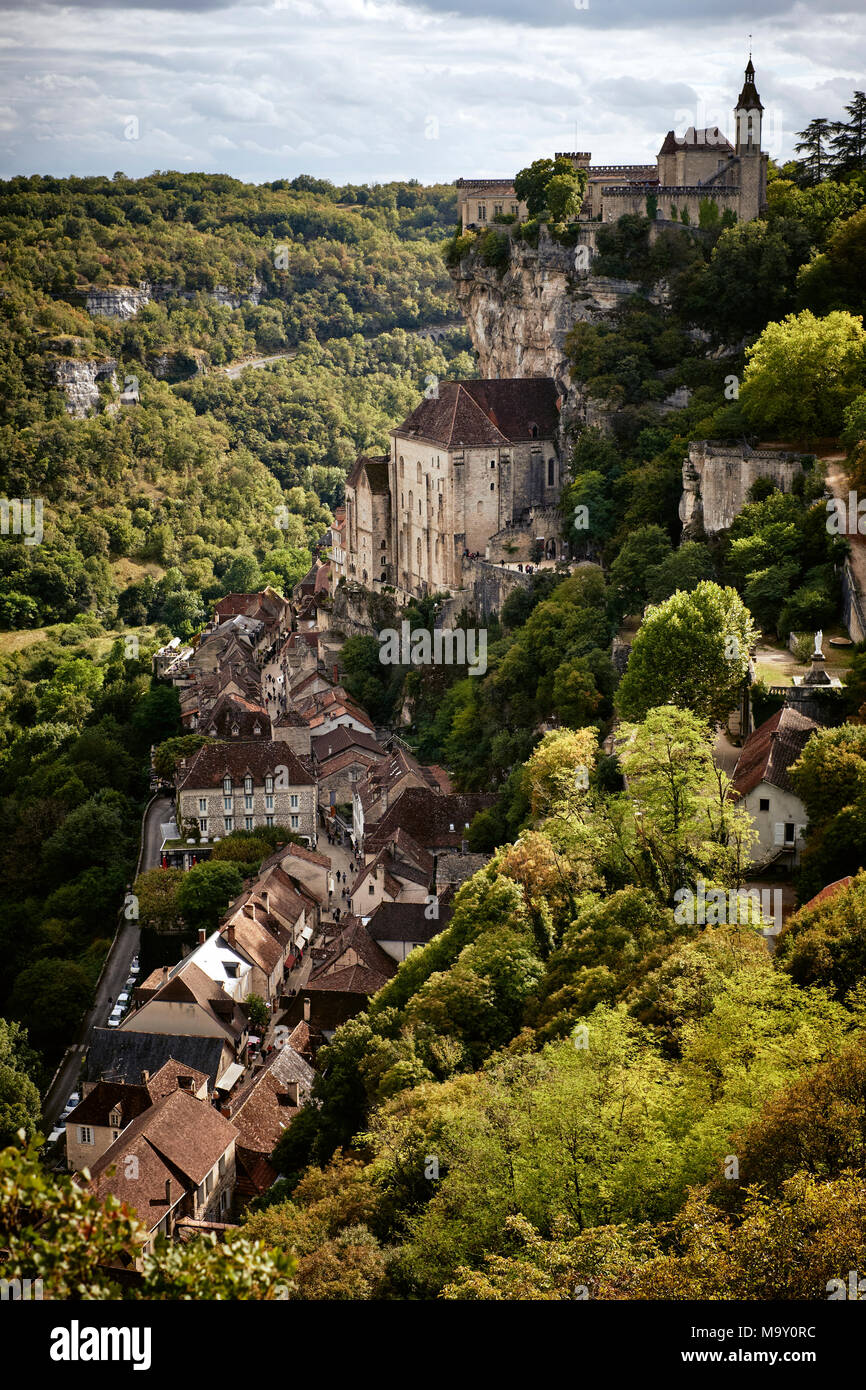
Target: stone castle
<point>474,471</point>
<point>690,169</point>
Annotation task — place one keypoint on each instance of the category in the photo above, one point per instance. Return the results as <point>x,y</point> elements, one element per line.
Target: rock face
<point>717,479</point>
<point>118,301</point>
<point>519,321</point>
<point>124,301</point>
<point>175,364</point>
<point>80,378</point>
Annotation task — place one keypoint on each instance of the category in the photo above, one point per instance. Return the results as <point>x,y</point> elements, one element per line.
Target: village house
<point>115,1054</point>
<point>400,927</point>
<point>383,783</point>
<point>261,1111</point>
<point>401,871</point>
<point>761,782</point>
<point>184,1000</point>
<point>239,786</point>
<point>345,974</point>
<point>437,822</point>
<point>107,1108</point>
<point>341,759</point>
<point>176,1159</point>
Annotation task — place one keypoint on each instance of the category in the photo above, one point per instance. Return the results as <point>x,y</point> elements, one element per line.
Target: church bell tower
<point>748,112</point>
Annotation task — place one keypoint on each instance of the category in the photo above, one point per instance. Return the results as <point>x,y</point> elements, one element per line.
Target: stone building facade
<point>241,786</point>
<point>473,460</point>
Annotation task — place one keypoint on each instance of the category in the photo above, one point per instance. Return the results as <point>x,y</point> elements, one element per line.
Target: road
<point>234,369</point>
<point>114,974</point>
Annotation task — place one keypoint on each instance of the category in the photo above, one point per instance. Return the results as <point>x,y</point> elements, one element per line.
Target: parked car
<point>70,1104</point>
<point>130,984</point>
<point>56,1134</point>
<point>134,967</point>
<point>115,1016</point>
<point>122,1000</point>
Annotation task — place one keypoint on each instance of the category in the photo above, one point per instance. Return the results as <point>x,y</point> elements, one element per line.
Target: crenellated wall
<point>717,479</point>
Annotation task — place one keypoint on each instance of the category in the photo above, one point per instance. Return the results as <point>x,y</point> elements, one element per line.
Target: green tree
<point>691,651</point>
<point>803,372</point>
<point>206,891</point>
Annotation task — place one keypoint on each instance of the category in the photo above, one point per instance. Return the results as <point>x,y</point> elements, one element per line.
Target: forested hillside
<point>192,477</point>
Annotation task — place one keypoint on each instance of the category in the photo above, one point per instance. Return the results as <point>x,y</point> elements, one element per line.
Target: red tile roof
<point>769,752</point>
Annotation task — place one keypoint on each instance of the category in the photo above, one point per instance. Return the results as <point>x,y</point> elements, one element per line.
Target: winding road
<point>114,972</point>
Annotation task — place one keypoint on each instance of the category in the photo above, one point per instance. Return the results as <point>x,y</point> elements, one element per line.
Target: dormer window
<point>248,785</point>
<point>235,730</point>
<point>114,1119</point>
<point>533,431</point>
<point>269,784</point>
<point>227,786</point>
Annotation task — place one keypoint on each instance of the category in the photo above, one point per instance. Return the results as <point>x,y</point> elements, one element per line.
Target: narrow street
<point>114,974</point>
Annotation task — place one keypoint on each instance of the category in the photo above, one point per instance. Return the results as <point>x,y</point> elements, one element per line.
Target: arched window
<point>411,500</point>
<point>418,475</point>
<point>401,465</point>
<point>492,487</point>
<point>551,472</point>
<point>418,552</point>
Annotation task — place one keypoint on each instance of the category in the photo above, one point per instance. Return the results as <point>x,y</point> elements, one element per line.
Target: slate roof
<point>231,712</point>
<point>168,1079</point>
<point>493,412</point>
<point>125,1055</point>
<point>407,922</point>
<point>748,97</point>
<point>429,818</point>
<point>371,969</point>
<point>212,763</point>
<point>710,138</point>
<point>325,746</point>
<point>769,752</point>
<point>264,1109</point>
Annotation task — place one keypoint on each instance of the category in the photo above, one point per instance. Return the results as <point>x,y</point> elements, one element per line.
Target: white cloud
<point>350,89</point>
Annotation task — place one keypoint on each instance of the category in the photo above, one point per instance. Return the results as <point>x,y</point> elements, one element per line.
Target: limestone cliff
<point>519,321</point>
<point>80,378</point>
<point>717,479</point>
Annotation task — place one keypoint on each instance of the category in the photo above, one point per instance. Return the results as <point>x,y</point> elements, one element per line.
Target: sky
<point>370,90</point>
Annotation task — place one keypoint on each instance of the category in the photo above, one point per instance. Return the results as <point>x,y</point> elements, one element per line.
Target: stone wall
<point>717,479</point>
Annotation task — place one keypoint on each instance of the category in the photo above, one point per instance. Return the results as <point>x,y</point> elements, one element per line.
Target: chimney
<point>464,846</point>
<point>306,1010</point>
<point>168,1192</point>
<point>266,899</point>
<point>202,936</point>
<point>145,1077</point>
<point>292,1089</point>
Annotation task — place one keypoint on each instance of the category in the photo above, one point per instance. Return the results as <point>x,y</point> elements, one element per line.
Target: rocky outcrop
<point>717,479</point>
<point>117,301</point>
<point>519,320</point>
<point>176,364</point>
<point>124,301</point>
<point>80,379</point>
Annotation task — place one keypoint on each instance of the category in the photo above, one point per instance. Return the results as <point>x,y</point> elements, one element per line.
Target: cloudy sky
<point>366,90</point>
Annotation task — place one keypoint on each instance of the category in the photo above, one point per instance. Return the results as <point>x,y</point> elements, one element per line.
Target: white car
<point>56,1134</point>
<point>70,1104</point>
<point>122,1000</point>
<point>115,1016</point>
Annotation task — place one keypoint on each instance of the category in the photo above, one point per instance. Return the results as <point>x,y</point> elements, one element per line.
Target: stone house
<point>239,786</point>
<point>175,1160</point>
